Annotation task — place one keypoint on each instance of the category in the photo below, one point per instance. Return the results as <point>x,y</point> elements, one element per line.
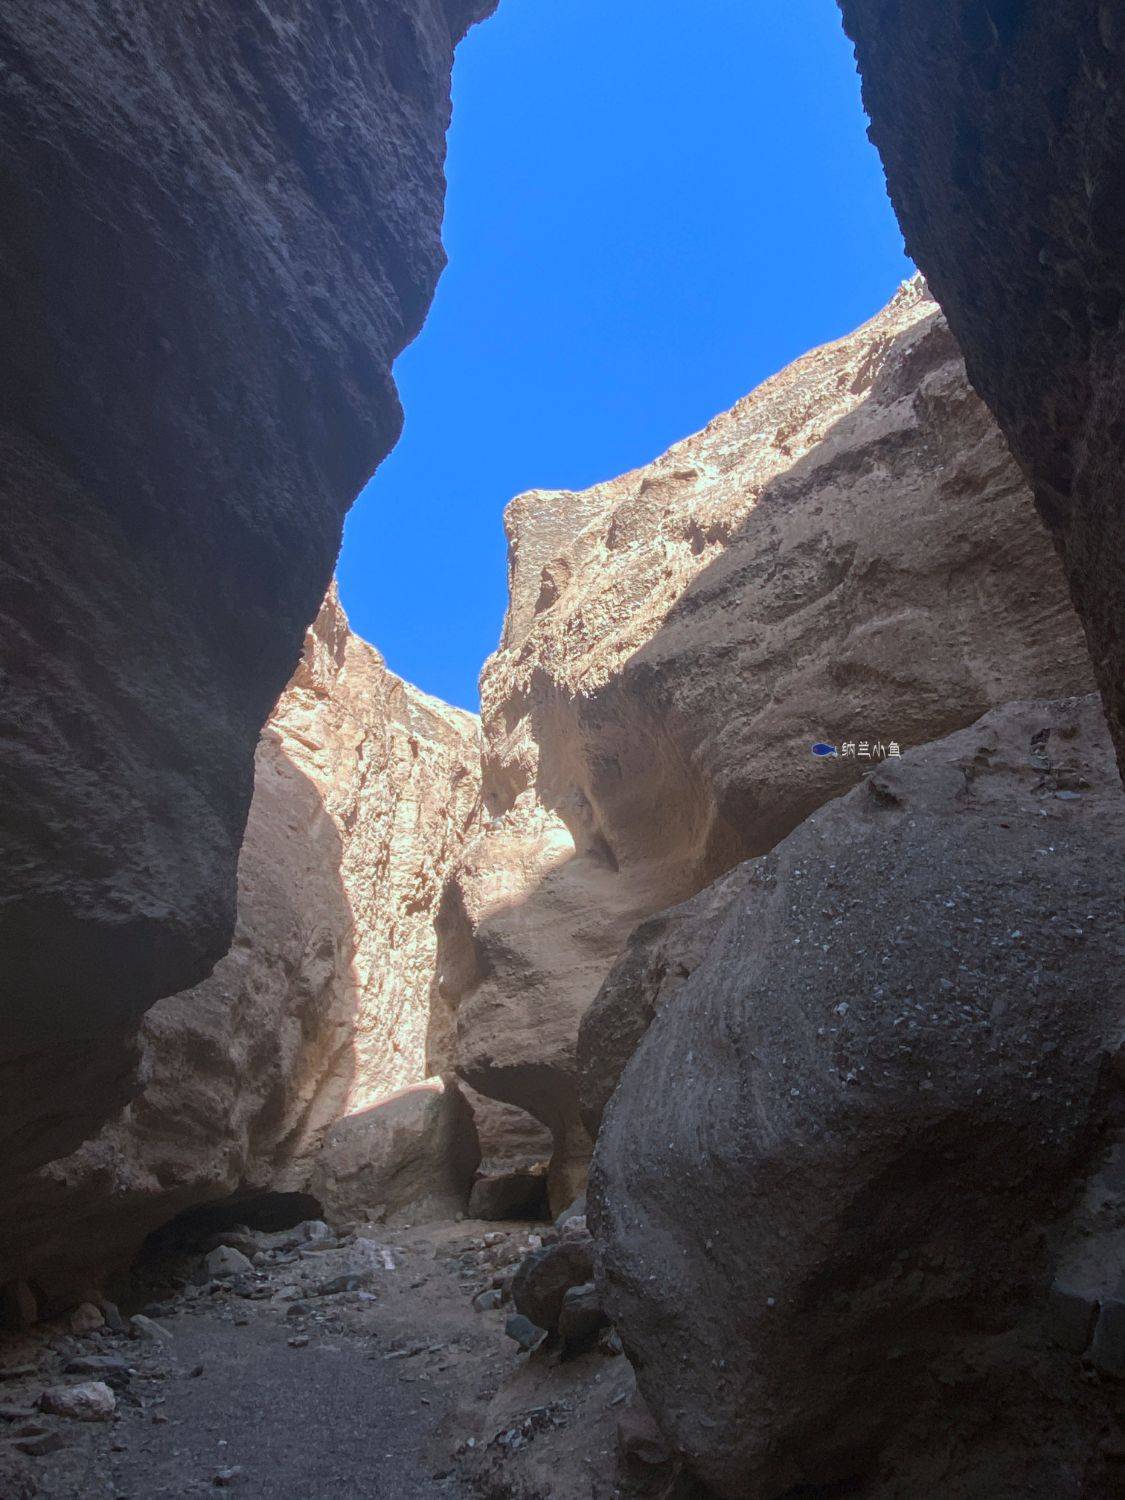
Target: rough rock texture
<point>413,1154</point>
<point>515,1149</point>
<point>660,955</point>
<point>847,555</point>
<point>832,1187</point>
<point>1002,128</point>
<point>547,1275</point>
<point>220,227</point>
<point>364,791</point>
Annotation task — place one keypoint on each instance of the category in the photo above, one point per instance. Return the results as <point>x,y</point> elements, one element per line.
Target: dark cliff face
<point>1001,124</point>
<point>221,224</point>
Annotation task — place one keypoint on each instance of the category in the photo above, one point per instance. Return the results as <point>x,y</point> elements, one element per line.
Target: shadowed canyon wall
<point>1002,129</point>
<point>848,554</point>
<point>219,229</point>
<point>365,789</point>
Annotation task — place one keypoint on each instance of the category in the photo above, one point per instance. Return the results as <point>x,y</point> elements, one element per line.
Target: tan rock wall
<point>364,791</point>
<point>848,554</point>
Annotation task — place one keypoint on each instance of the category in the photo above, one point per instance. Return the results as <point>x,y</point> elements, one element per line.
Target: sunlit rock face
<point>1000,127</point>
<point>848,555</point>
<point>838,1189</point>
<point>365,790</point>
<point>221,224</point>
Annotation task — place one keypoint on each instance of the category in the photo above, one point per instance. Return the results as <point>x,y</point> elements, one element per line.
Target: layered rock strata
<point>848,555</point>
<point>838,1176</point>
<point>219,231</point>
<point>1000,127</point>
<point>365,790</point>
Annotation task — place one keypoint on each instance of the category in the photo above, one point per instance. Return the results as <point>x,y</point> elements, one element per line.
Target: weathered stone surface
<point>86,1318</point>
<point>828,1189</point>
<point>582,1316</point>
<point>365,790</point>
<point>1000,126</point>
<point>515,1149</point>
<point>92,1401</point>
<point>545,1277</point>
<point>414,1154</point>
<point>525,1333</point>
<point>149,1330</point>
<point>225,1260</point>
<point>660,955</point>
<point>849,554</point>
<point>205,275</point>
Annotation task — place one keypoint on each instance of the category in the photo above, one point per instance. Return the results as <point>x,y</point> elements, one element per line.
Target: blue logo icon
<point>821,749</point>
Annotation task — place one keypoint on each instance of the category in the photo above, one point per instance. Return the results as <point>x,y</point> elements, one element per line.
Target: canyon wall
<point>220,227</point>
<point>848,555</point>
<point>365,790</point>
<point>1000,125</point>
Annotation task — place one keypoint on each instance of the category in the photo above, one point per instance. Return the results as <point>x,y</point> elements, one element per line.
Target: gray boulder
<point>545,1277</point>
<point>827,1188</point>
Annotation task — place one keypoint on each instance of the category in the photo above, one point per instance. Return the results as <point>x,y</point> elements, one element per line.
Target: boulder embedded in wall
<point>827,1191</point>
<point>205,276</point>
<point>1000,127</point>
<point>661,954</point>
<point>364,792</point>
<point>410,1156</point>
<point>849,554</point>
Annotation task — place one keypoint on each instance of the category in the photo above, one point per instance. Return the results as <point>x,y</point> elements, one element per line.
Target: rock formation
<point>219,230</point>
<point>840,1171</point>
<point>848,555</point>
<point>1000,127</point>
<point>412,1155</point>
<point>365,789</point>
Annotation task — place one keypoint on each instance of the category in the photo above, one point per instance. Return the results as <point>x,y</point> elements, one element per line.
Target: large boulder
<point>410,1156</point>
<point>365,790</point>
<point>832,1185</point>
<point>206,272</point>
<point>546,1277</point>
<point>1000,127</point>
<point>849,554</point>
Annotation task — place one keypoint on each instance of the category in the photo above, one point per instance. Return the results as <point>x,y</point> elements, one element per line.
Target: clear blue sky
<point>653,205</point>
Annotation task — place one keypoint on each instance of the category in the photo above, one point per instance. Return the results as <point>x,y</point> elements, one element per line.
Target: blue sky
<point>652,207</point>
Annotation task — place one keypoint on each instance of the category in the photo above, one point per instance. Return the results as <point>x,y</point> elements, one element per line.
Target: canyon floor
<point>347,1368</point>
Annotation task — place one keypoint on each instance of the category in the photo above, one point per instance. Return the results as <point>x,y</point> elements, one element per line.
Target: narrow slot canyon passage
<point>695,1071</point>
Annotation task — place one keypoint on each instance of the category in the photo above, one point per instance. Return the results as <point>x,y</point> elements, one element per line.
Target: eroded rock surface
<point>833,1187</point>
<point>411,1155</point>
<point>365,790</point>
<point>219,230</point>
<point>1000,126</point>
<point>849,554</point>
<point>660,955</point>
<point>515,1151</point>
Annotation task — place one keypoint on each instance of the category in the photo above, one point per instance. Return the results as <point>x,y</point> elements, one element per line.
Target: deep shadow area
<point>267,1211</point>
